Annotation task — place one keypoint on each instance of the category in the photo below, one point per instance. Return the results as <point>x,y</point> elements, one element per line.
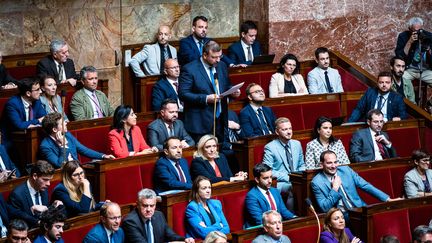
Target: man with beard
<point>51,226</point>
<point>154,56</point>
<point>336,186</point>
<point>255,119</point>
<point>108,230</point>
<point>284,155</point>
<point>382,98</point>
<point>405,89</point>
<point>168,126</point>
<point>171,170</point>
<point>371,143</point>
<point>201,84</point>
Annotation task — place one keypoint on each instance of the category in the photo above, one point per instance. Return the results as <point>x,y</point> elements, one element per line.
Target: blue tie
<point>218,106</point>
<point>112,237</point>
<point>149,231</point>
<point>262,122</point>
<point>200,44</point>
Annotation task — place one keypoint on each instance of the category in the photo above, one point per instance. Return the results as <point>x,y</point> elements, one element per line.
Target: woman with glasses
<point>126,139</point>
<point>49,98</point>
<point>74,190</point>
<point>418,181</point>
<point>203,214</point>
<point>287,81</point>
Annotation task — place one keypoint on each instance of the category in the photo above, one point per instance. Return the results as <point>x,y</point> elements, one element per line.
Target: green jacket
<point>81,106</point>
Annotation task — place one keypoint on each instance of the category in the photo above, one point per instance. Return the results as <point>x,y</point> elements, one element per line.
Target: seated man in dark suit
<point>22,111</point>
<point>88,102</point>
<point>171,171</point>
<point>17,231</point>
<point>167,86</point>
<point>371,143</point>
<point>192,47</point>
<point>168,126</point>
<point>263,198</point>
<point>201,83</point>
<point>108,230</point>
<point>51,226</point>
<point>6,81</point>
<point>145,224</point>
<point>255,119</point>
<point>389,102</point>
<point>30,199</point>
<point>7,166</point>
<point>336,186</point>
<point>60,145</point>
<point>58,64</point>
<point>244,50</point>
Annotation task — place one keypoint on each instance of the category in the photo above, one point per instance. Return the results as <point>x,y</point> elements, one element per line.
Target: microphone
<point>312,209</point>
<point>216,84</point>
<point>63,101</point>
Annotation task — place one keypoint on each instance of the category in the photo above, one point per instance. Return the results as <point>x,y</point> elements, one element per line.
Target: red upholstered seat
<point>143,126</point>
<point>258,153</point>
<point>265,78</point>
<point>53,184</point>
<point>147,174</point>
<point>115,181</point>
<point>148,97</point>
<point>68,99</point>
<point>420,216</point>
<point>381,179</point>
<point>351,105</point>
<point>346,138</point>
<point>399,139</point>
<point>394,222</point>
<point>178,216</point>
<point>2,104</point>
<point>351,83</point>
<point>233,206</point>
<point>397,176</point>
<point>94,138</point>
<point>304,234</point>
<point>76,234</point>
<point>22,72</point>
<point>293,112</point>
<point>311,111</point>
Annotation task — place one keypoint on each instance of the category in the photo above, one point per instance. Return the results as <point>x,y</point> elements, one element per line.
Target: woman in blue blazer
<point>204,215</point>
<point>74,190</point>
<point>210,163</point>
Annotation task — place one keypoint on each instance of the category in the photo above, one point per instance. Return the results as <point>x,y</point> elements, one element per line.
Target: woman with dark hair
<point>334,229</point>
<point>49,98</point>
<point>417,182</point>
<point>210,163</point>
<point>287,81</point>
<point>203,214</point>
<point>125,139</point>
<point>324,140</point>
<point>74,190</point>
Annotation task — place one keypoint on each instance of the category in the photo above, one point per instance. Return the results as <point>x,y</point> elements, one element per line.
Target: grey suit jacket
<point>150,57</point>
<point>266,238</point>
<point>317,84</point>
<point>81,106</point>
<point>362,147</point>
<point>413,183</point>
<point>157,133</point>
<point>274,156</point>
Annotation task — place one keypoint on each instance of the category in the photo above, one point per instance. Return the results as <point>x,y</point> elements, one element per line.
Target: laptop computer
<point>263,59</point>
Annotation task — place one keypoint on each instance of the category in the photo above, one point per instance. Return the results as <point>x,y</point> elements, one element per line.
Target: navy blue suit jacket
<point>72,207</point>
<point>250,124</point>
<point>195,85</point>
<point>237,55</point>
<point>4,211</point>
<point>7,161</point>
<point>98,234</point>
<point>41,239</point>
<point>166,177</point>
<point>202,167</point>
<point>188,51</point>
<point>161,91</point>
<point>20,202</point>
<point>256,204</point>
<point>50,151</point>
<point>395,106</point>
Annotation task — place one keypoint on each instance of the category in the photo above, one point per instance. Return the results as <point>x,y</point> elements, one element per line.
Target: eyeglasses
<point>37,90</point>
<point>425,160</point>
<point>114,218</point>
<point>78,174</point>
<point>260,91</point>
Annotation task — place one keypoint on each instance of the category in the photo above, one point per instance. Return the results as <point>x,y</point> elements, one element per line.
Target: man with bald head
<point>167,86</point>
<point>109,226</point>
<point>154,56</point>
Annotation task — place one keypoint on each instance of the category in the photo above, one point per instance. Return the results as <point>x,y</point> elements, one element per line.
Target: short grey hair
<point>213,236</point>
<point>85,70</point>
<point>266,214</point>
<point>56,45</point>
<point>146,193</point>
<point>415,20</point>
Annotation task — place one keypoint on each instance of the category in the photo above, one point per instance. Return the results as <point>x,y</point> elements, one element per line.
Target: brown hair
<point>194,194</point>
<point>343,238</point>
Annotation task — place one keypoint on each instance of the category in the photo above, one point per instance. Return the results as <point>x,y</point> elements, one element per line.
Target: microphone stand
<point>312,209</point>
<point>216,82</point>
<point>421,71</point>
<point>63,98</point>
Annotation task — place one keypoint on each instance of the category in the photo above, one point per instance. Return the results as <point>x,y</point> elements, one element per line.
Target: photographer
<point>414,46</point>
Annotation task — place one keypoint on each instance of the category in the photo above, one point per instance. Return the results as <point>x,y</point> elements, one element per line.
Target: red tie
<point>272,205</point>
<point>381,149</point>
<point>176,86</point>
<point>30,112</point>
<point>182,179</point>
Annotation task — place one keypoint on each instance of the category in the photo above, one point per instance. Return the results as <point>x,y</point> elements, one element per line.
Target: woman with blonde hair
<point>210,163</point>
<point>49,98</point>
<point>335,230</point>
<point>215,237</point>
<point>74,190</point>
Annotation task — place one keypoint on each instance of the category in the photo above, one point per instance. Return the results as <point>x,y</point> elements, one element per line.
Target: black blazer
<point>47,66</point>
<point>133,227</point>
<point>202,167</point>
<point>5,78</point>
